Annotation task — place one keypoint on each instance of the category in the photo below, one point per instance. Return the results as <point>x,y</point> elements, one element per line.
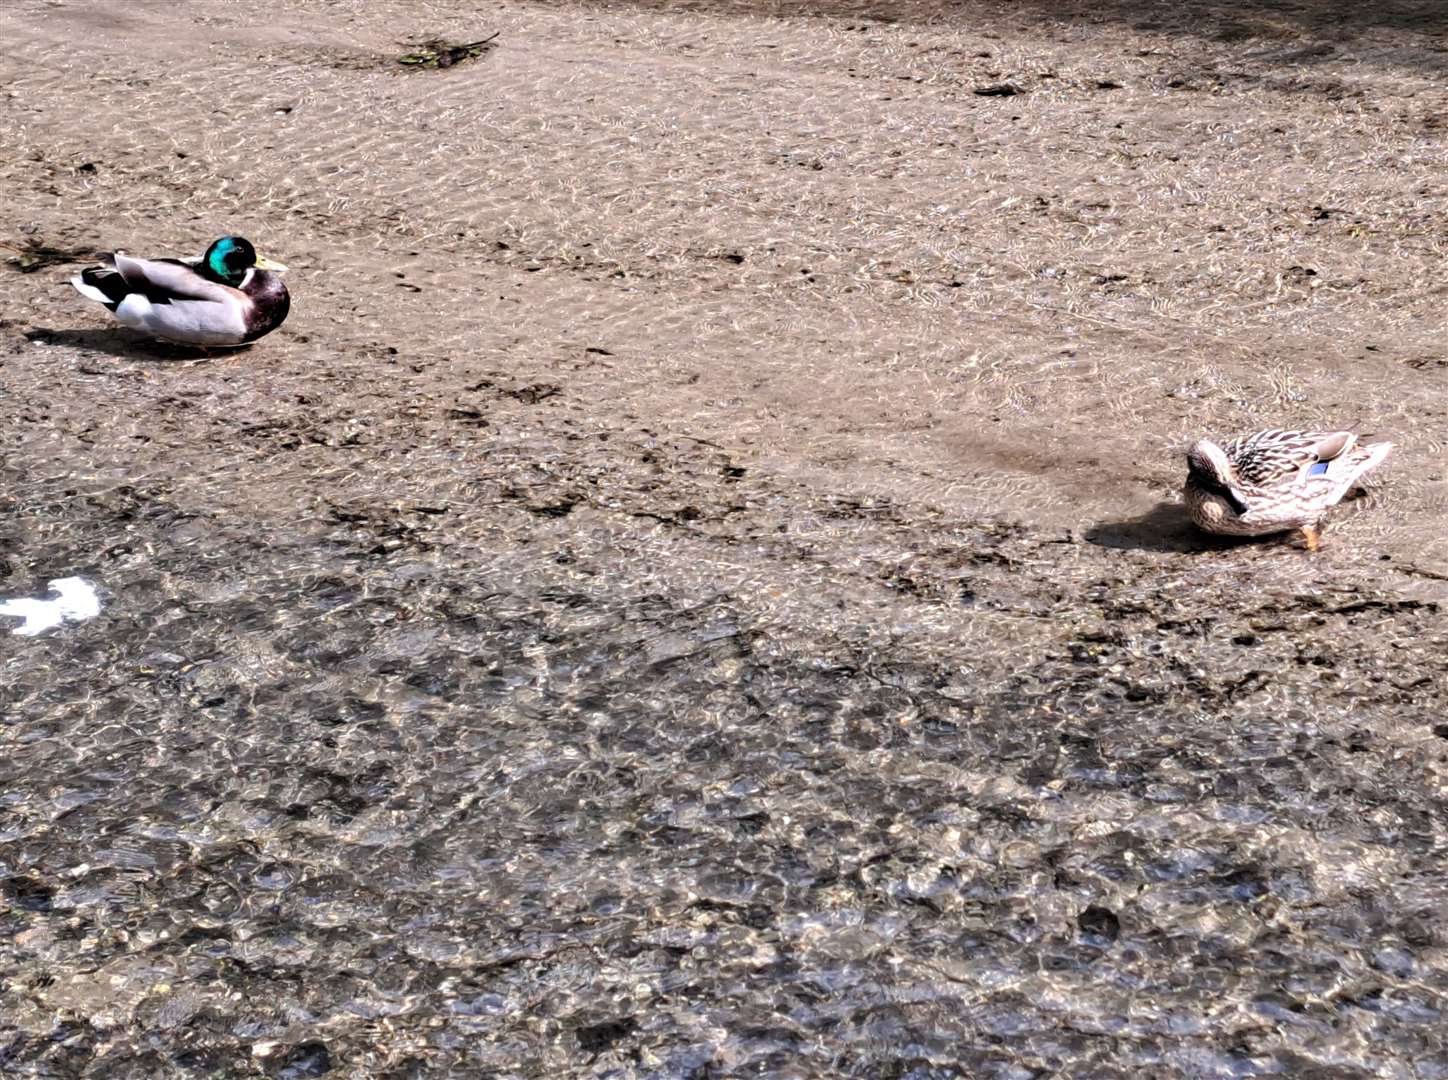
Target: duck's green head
<point>228,260</point>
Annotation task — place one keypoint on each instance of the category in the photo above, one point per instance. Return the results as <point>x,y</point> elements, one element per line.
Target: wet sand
<point>697,587</point>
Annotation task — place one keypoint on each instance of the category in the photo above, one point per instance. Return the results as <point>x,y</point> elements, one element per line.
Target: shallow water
<point>610,804</point>
<point>696,587</point>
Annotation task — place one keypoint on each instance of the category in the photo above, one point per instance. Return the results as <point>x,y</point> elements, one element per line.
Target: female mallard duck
<point>229,296</point>
<point>1275,480</point>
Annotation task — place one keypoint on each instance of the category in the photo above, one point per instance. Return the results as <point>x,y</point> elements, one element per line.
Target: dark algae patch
<point>34,254</point>
<point>437,53</point>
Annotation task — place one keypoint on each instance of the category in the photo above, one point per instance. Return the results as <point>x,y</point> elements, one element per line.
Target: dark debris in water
<point>1099,923</point>
<point>437,53</point>
<point>27,893</point>
<point>34,254</point>
<point>306,1060</point>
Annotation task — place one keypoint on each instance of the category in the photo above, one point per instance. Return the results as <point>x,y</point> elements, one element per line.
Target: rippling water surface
<point>696,589</point>
<point>351,798</point>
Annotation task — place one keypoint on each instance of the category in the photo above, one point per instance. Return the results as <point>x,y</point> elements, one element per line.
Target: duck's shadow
<point>123,343</point>
<point>1165,527</point>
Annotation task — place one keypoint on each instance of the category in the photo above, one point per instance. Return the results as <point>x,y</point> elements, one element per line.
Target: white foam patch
<point>77,601</point>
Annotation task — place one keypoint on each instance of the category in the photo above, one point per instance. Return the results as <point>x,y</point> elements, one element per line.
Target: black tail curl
<point>109,282</point>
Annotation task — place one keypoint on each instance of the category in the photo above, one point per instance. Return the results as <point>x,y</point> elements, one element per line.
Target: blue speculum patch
<point>1318,470</point>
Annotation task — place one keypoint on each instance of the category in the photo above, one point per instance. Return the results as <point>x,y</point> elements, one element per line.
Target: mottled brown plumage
<point>1274,480</point>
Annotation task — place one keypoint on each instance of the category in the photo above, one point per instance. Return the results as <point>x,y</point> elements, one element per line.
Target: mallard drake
<point>1275,480</point>
<point>229,296</point>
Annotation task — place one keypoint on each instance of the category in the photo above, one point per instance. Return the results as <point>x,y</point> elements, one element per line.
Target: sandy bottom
<point>697,586</point>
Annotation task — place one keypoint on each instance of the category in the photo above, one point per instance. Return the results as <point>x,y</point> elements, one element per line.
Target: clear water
<point>595,793</point>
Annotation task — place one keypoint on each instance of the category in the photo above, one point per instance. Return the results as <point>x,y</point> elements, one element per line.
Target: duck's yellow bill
<point>267,264</point>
